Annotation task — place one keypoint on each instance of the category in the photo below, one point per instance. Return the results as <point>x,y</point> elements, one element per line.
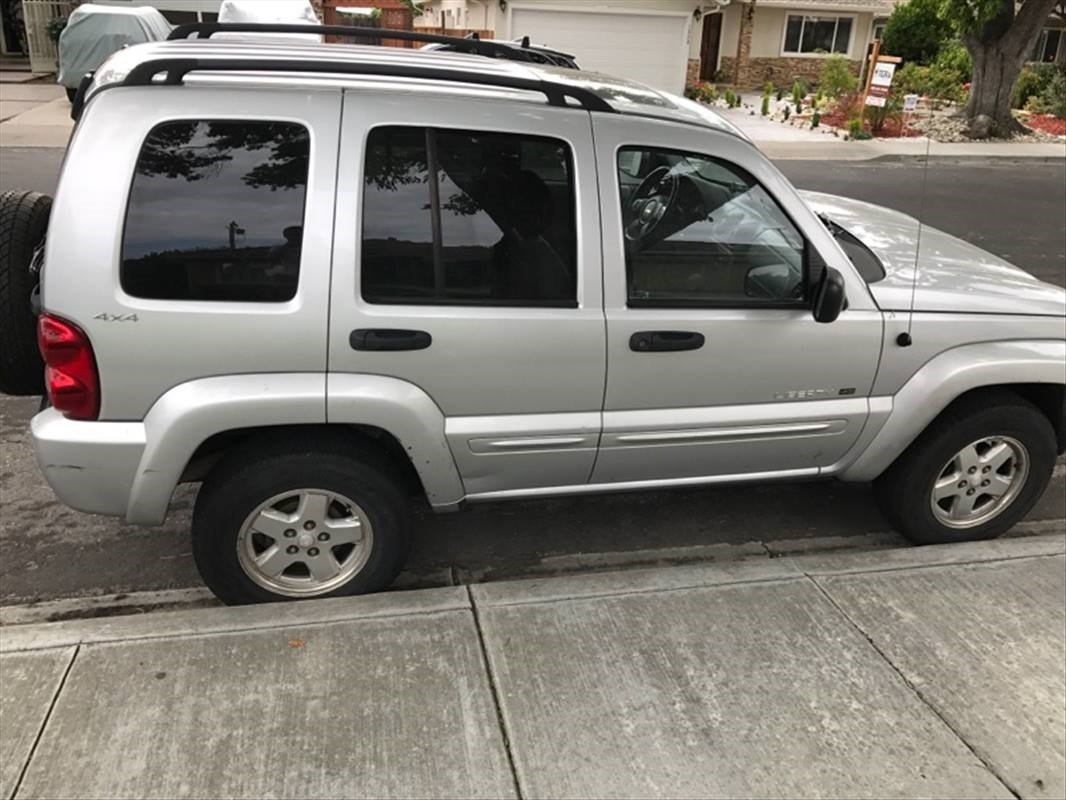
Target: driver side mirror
<point>829,299</point>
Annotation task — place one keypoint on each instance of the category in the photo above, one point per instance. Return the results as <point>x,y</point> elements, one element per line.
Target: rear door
<point>467,262</point>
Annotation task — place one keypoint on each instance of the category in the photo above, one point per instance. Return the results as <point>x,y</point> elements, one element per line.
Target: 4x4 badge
<point>116,317</point>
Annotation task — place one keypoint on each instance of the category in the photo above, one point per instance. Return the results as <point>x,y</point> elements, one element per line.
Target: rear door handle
<point>665,341</point>
<point>389,339</point>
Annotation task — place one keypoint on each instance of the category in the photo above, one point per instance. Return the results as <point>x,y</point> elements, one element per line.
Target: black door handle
<point>665,341</point>
<point>389,339</point>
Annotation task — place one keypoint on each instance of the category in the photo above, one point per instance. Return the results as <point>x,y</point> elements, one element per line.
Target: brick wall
<point>692,72</point>
<point>755,72</point>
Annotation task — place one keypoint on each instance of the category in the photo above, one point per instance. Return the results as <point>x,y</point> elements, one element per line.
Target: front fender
<point>947,376</point>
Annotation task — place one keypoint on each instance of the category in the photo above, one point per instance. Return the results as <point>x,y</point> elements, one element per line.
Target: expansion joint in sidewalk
<point>918,692</point>
<point>495,694</point>
<point>44,722</point>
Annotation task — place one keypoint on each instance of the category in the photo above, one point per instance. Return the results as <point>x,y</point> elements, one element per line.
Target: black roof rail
<point>471,44</point>
<point>144,74</point>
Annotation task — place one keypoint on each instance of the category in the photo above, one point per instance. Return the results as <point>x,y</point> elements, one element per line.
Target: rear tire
<point>257,506</point>
<point>991,456</point>
<point>23,223</point>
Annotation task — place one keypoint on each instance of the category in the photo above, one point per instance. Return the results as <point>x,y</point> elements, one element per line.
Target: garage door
<point>648,48</point>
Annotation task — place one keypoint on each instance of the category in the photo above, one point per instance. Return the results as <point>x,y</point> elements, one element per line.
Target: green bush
<point>797,93</point>
<point>702,92</point>
<point>917,31</point>
<point>879,115</point>
<point>1037,105</point>
<point>912,79</point>
<point>954,56</point>
<point>765,110</point>
<point>768,89</point>
<point>787,112</point>
<point>854,126</point>
<point>780,95</point>
<point>835,78</point>
<point>940,84</point>
<point>816,119</point>
<point>1054,95</point>
<point>1032,81</point>
<point>730,98</point>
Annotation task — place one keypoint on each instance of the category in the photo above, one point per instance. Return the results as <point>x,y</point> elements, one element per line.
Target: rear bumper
<point>90,466</point>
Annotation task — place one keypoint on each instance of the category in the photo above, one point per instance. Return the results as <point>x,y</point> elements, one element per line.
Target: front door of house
<point>712,34</point>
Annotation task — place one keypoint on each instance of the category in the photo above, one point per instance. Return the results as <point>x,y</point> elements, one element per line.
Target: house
<point>666,43</point>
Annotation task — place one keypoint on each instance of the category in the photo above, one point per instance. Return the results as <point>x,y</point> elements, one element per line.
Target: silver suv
<point>325,279</point>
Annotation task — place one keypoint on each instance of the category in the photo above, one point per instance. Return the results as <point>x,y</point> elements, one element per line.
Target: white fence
<point>37,13</point>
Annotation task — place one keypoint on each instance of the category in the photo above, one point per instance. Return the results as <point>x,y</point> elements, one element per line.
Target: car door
<point>467,263</point>
<point>716,366</point>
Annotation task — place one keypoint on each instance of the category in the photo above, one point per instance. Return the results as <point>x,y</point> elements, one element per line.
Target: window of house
<point>466,217</point>
<point>1047,45</point>
<point>807,34</point>
<point>700,232</point>
<point>879,28</point>
<point>216,212</point>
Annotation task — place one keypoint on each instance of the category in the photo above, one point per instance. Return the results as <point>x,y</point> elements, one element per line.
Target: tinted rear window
<point>468,217</point>
<point>216,212</point>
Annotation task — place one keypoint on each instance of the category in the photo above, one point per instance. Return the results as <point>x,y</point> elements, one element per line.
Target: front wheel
<point>978,469</point>
<point>299,525</point>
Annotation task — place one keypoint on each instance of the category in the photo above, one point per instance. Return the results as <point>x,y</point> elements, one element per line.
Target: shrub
<point>797,93</point>
<point>954,56</point>
<point>54,28</point>
<point>879,115</point>
<point>702,92</point>
<point>787,112</point>
<point>854,126</point>
<point>765,110</point>
<point>1037,105</point>
<point>816,119</point>
<point>1054,95</point>
<point>916,31</point>
<point>780,95</point>
<point>912,79</point>
<point>768,89</point>
<point>730,98</point>
<point>1033,80</point>
<point>835,78</point>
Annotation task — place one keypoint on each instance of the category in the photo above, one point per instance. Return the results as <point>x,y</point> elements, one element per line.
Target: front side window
<point>700,232</point>
<point>459,217</point>
<point>216,212</point>
<point>807,34</point>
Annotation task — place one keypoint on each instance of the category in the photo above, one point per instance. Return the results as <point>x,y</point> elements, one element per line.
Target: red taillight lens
<point>70,368</point>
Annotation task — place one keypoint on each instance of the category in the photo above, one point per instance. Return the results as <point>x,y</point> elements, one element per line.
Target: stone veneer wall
<point>692,72</point>
<point>755,72</point>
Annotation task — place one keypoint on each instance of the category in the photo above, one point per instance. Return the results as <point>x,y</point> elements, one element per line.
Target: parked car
<point>93,32</point>
<point>385,274</point>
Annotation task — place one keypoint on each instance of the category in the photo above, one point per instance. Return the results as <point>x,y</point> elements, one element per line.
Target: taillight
<point>70,368</point>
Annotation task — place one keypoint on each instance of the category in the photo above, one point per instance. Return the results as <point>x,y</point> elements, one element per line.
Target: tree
<point>998,37</point>
<point>916,31</point>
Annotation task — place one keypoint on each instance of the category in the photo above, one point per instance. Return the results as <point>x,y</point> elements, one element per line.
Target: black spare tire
<point>23,223</point>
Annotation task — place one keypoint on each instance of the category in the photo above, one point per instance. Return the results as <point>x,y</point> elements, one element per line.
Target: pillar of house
<point>740,63</point>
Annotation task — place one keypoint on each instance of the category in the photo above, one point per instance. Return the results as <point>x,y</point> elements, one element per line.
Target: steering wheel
<point>651,202</point>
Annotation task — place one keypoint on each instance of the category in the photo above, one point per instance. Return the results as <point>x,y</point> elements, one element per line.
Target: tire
<point>238,487</point>
<point>23,223</point>
<point>905,491</point>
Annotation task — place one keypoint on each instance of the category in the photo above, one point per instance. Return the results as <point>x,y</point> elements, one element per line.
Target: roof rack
<point>472,43</point>
<point>175,69</point>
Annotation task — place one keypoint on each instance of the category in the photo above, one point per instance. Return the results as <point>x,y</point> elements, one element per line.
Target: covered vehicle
<point>289,12</point>
<point>94,32</point>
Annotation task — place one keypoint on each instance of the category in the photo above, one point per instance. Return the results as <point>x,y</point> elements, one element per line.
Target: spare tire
<point>23,223</point>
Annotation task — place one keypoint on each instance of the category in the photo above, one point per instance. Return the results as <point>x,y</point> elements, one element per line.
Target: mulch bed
<point>893,128</point>
<point>1046,123</point>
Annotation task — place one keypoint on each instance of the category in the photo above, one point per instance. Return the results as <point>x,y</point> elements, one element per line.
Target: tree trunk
<point>998,51</point>
<point>992,86</point>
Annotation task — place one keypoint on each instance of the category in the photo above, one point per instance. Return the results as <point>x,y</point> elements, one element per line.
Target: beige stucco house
<point>668,42</point>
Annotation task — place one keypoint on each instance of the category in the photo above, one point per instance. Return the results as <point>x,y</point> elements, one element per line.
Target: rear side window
<point>216,212</point>
<point>471,218</point>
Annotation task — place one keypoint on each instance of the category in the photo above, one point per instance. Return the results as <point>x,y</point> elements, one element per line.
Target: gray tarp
<point>94,32</point>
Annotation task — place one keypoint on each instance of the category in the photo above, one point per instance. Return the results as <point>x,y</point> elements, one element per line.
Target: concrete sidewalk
<point>932,672</point>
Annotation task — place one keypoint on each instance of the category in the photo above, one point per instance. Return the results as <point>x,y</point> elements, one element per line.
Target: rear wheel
<point>977,470</point>
<point>300,525</point>
<point>23,223</point>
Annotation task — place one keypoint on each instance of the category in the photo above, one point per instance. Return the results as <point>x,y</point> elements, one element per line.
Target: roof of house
<point>868,6</point>
<point>293,64</point>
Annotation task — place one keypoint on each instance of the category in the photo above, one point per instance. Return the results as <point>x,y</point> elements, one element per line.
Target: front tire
<point>296,525</point>
<point>973,474</point>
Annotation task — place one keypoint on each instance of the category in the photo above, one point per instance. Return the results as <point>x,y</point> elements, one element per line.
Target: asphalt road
<point>49,551</point>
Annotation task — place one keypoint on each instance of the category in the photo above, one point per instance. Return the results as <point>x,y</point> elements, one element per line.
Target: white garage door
<point>648,48</point>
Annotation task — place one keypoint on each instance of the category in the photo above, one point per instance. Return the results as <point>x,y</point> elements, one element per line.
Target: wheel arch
<point>1033,370</point>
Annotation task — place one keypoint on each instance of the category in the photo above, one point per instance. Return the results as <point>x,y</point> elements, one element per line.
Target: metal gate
<point>37,13</point>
